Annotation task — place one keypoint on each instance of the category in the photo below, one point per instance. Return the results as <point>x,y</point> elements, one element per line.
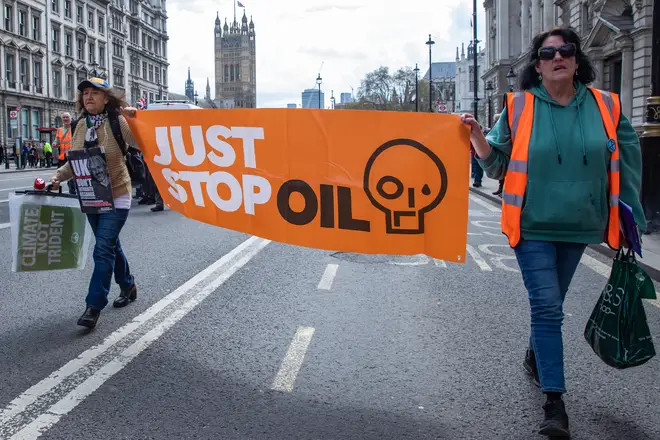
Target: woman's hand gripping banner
<point>346,180</point>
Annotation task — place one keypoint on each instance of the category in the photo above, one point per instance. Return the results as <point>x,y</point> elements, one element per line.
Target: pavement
<point>236,337</point>
<point>650,261</point>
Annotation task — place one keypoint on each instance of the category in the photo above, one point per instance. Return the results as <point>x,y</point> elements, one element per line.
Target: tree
<point>381,90</point>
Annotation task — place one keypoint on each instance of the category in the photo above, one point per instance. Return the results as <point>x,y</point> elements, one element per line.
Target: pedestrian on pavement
<point>559,145</point>
<point>500,188</point>
<point>63,145</point>
<point>48,153</point>
<point>98,103</point>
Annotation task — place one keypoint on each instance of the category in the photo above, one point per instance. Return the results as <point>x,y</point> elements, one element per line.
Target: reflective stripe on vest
<point>63,142</point>
<point>520,112</point>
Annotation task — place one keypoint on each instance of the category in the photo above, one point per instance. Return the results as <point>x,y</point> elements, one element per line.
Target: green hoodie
<point>566,197</point>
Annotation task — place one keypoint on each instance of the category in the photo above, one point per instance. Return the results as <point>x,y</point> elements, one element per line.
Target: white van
<point>171,105</point>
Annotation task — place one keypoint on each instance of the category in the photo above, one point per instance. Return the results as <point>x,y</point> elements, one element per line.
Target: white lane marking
<point>4,225</point>
<point>482,224</point>
<point>328,277</point>
<point>286,376</point>
<point>595,265</point>
<point>497,258</point>
<point>485,204</point>
<point>92,383</point>
<point>477,259</point>
<point>439,263</point>
<point>16,178</point>
<point>21,403</point>
<point>18,187</point>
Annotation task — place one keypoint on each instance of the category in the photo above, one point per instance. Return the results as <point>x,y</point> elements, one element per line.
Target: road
<point>11,182</point>
<point>235,337</point>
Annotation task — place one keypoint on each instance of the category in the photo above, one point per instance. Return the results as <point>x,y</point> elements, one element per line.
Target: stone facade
<point>616,34</point>
<point>465,80</point>
<point>139,49</point>
<point>235,63</point>
<point>444,84</point>
<point>48,47</point>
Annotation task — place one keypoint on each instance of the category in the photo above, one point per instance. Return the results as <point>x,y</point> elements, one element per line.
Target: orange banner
<point>371,182</point>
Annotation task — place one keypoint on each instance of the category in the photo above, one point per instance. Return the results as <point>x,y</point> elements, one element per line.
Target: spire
<point>208,89</point>
<point>462,50</point>
<point>189,73</point>
<point>217,19</point>
<point>457,58</point>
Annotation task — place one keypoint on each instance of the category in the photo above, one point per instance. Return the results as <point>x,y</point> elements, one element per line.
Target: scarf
<point>93,124</point>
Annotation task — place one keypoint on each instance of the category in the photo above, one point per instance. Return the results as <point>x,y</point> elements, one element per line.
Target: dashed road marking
<point>328,277</point>
<point>488,206</point>
<point>497,257</point>
<point>286,376</point>
<point>478,259</point>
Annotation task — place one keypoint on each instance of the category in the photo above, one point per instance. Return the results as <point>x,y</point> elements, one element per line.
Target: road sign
<point>442,108</point>
<point>13,114</point>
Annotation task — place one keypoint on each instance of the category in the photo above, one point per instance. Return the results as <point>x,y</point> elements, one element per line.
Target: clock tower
<point>235,63</point>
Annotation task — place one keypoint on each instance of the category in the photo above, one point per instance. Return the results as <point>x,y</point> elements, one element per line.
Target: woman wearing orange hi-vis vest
<point>568,155</point>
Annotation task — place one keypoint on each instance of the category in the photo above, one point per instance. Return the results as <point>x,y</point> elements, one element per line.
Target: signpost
<point>16,123</point>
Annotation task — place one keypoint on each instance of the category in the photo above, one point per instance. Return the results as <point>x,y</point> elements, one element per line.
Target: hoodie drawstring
<point>584,149</point>
<point>554,130</point>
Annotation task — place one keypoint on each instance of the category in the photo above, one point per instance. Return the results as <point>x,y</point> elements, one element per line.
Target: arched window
<point>226,73</point>
<point>238,72</point>
<point>231,73</point>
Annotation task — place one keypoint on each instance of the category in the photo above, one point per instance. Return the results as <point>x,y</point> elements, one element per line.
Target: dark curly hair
<point>116,101</point>
<point>585,73</point>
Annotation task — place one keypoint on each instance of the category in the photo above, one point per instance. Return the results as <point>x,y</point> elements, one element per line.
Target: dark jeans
<point>109,257</point>
<point>547,270</point>
<point>477,171</point>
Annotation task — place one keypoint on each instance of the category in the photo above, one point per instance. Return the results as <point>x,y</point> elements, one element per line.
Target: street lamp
<point>489,93</point>
<point>511,79</point>
<point>319,81</point>
<point>416,69</point>
<point>430,43</point>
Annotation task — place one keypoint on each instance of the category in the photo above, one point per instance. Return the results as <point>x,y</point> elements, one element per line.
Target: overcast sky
<point>293,38</point>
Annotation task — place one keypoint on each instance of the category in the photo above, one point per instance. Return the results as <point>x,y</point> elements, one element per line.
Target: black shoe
<point>125,297</point>
<point>498,192</point>
<point>158,208</point>
<point>146,201</point>
<point>89,318</point>
<point>555,423</point>
<point>530,366</point>
<point>477,184</point>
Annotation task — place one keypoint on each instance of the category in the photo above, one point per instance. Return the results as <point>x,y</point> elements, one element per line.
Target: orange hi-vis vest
<point>520,111</point>
<point>63,142</point>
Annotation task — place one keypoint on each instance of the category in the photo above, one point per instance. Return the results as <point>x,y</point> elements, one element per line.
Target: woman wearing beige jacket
<point>97,101</point>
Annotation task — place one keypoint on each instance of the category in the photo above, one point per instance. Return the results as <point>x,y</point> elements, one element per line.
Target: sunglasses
<point>566,51</point>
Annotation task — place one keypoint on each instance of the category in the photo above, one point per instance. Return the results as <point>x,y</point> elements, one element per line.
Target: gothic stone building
<point>616,34</point>
<point>235,63</point>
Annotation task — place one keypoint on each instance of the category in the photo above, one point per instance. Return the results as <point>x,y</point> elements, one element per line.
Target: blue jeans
<point>477,171</point>
<point>108,257</point>
<point>547,270</point>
